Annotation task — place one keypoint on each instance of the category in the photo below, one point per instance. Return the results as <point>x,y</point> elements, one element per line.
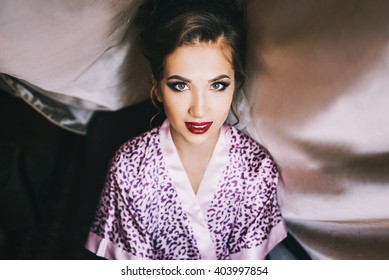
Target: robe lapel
<point>195,206</point>
<point>211,180</point>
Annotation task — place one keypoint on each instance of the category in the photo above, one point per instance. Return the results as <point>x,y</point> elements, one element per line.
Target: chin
<point>197,139</point>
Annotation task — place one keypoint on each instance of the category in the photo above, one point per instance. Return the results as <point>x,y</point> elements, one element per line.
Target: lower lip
<point>198,128</point>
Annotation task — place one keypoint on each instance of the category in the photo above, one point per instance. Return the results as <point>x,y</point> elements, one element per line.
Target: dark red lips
<point>198,128</point>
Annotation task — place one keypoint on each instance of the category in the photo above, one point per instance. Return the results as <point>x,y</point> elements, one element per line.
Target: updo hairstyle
<point>165,25</point>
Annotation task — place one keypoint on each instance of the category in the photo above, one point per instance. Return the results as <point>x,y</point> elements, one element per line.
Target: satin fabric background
<point>81,53</point>
<point>317,98</point>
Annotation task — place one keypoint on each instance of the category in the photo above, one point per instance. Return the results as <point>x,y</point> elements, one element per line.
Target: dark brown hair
<point>166,25</point>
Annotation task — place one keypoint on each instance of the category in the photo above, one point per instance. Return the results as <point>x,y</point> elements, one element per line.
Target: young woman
<point>196,187</point>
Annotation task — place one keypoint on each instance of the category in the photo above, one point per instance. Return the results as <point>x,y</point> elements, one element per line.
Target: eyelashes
<point>181,86</point>
<point>178,86</point>
<point>220,86</point>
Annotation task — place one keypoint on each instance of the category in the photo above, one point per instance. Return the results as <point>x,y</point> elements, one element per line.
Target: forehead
<point>201,59</point>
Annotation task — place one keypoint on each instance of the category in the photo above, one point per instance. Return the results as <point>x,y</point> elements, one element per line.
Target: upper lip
<point>199,123</point>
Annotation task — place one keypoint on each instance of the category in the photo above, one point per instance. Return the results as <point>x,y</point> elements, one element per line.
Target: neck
<point>195,158</point>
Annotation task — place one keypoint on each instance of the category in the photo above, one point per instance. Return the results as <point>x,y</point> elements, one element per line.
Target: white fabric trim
<point>210,181</point>
<point>276,235</point>
<point>106,249</point>
<point>190,203</point>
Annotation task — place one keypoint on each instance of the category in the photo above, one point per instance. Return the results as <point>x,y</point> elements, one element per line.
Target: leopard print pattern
<point>244,209</point>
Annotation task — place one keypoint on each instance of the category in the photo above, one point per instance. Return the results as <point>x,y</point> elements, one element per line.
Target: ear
<point>156,91</point>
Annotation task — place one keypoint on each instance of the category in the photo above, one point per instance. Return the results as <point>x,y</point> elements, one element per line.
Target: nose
<point>198,105</point>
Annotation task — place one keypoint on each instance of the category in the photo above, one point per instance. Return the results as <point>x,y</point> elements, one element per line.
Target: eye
<point>219,86</point>
<point>179,86</point>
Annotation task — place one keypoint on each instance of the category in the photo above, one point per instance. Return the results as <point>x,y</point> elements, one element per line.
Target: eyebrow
<point>178,77</point>
<point>223,76</point>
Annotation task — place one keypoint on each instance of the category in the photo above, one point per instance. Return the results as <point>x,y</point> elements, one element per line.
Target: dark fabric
<point>40,163</point>
<point>50,179</point>
<point>15,197</point>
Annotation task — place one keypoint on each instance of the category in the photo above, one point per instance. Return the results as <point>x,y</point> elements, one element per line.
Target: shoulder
<point>132,153</point>
<point>256,158</point>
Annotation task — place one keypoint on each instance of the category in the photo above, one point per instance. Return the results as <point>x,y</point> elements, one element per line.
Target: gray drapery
<point>317,98</point>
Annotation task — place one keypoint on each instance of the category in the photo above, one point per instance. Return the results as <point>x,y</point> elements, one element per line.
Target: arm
<point>118,230</point>
<point>263,226</point>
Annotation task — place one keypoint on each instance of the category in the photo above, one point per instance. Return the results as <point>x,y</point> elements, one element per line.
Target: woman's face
<point>197,90</point>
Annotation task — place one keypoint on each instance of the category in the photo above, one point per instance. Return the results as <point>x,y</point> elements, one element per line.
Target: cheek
<point>174,106</point>
<point>224,104</point>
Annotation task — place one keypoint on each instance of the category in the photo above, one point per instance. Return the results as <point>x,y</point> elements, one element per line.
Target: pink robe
<point>148,209</point>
